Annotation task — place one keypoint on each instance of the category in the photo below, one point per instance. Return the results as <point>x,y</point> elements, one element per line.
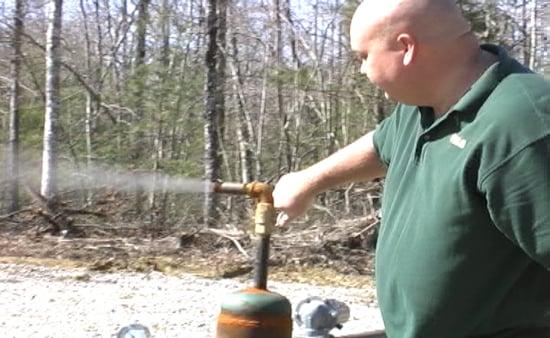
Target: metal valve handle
<point>318,316</point>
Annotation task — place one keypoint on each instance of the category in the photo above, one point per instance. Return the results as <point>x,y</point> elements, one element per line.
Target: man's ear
<point>408,45</point>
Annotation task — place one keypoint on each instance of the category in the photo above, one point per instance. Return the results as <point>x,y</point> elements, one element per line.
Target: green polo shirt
<point>464,246</point>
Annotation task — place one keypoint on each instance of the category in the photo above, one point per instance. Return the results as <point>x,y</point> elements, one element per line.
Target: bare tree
<point>533,36</point>
<point>158,143</point>
<point>48,187</point>
<point>284,149</point>
<point>139,61</point>
<point>140,78</point>
<point>94,73</point>
<point>244,127</point>
<point>214,104</point>
<point>13,140</point>
<point>524,21</point>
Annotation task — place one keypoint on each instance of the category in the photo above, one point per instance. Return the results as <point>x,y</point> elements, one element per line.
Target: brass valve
<point>265,214</point>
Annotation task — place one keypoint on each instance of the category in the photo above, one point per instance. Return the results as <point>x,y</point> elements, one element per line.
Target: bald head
<point>410,47</point>
<point>427,20</point>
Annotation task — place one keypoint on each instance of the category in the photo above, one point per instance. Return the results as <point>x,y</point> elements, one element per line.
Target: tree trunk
<point>222,65</point>
<point>292,36</point>
<point>157,213</point>
<point>261,117</point>
<point>294,148</point>
<point>525,44</point>
<point>98,72</point>
<point>120,73</point>
<point>533,37</point>
<point>125,29</point>
<point>213,109</point>
<point>139,60</point>
<point>245,129</point>
<point>48,188</point>
<point>89,99</point>
<point>139,75</point>
<point>141,32</point>
<point>13,140</point>
<point>284,148</point>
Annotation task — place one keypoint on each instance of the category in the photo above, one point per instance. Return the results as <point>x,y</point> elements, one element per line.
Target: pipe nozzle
<point>230,188</point>
<point>261,192</point>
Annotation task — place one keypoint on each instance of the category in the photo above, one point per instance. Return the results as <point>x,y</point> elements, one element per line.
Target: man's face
<point>380,60</point>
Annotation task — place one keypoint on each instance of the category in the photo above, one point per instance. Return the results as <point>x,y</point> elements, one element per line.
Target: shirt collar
<point>487,82</point>
<point>480,90</point>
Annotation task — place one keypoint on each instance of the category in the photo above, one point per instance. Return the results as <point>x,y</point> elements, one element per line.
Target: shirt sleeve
<point>518,199</point>
<point>384,138</point>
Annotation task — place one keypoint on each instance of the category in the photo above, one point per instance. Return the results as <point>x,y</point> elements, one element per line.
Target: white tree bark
<point>48,187</point>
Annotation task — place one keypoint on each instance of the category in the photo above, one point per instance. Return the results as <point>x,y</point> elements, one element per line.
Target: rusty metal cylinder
<point>255,313</point>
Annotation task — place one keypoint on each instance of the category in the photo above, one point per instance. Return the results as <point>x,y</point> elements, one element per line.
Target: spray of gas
<point>130,181</point>
<point>104,177</point>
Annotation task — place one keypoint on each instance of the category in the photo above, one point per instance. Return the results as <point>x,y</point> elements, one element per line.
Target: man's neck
<point>460,81</point>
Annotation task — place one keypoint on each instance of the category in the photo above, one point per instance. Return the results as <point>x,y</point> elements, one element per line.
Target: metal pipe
<point>230,188</point>
<point>261,192</point>
<point>264,220</point>
<point>261,264</point>
<point>372,334</point>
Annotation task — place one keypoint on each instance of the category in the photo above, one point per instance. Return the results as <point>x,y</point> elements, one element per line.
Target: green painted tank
<point>255,313</point>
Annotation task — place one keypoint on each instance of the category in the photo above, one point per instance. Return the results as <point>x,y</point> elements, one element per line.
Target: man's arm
<point>294,193</point>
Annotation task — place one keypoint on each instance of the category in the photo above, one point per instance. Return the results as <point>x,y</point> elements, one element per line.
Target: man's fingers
<point>282,219</point>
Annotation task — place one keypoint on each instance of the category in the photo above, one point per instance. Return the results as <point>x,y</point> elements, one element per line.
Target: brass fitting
<point>265,214</point>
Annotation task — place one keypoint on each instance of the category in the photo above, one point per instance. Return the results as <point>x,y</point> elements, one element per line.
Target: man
<point>464,245</point>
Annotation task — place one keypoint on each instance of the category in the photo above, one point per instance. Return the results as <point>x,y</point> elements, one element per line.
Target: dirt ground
<point>321,255</point>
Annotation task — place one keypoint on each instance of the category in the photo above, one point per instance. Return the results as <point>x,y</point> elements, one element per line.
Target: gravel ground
<point>40,302</point>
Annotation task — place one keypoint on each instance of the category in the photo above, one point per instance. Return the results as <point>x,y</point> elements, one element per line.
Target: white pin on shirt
<point>458,141</point>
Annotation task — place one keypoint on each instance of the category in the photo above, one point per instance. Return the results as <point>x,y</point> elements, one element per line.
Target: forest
<point>106,104</point>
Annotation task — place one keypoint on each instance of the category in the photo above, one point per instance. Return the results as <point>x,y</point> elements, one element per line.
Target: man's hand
<point>293,196</point>
<point>294,193</point>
